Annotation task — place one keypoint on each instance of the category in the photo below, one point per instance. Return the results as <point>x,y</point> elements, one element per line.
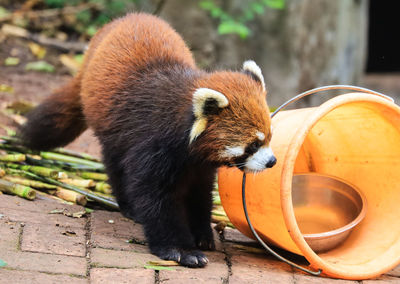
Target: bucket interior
<point>359,142</point>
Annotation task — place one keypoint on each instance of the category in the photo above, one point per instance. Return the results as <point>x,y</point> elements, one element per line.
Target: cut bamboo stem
<point>12,158</point>
<point>76,154</point>
<point>43,171</point>
<point>70,159</point>
<point>17,189</point>
<point>51,196</point>
<point>90,195</point>
<point>71,196</point>
<point>103,187</point>
<point>79,182</point>
<point>92,175</point>
<point>29,182</point>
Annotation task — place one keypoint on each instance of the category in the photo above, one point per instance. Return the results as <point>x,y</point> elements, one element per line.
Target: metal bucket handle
<point>284,105</point>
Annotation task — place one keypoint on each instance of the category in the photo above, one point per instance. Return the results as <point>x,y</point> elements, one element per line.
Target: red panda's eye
<point>254,146</point>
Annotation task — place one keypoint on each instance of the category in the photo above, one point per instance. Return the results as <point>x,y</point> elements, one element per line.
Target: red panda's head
<point>232,121</point>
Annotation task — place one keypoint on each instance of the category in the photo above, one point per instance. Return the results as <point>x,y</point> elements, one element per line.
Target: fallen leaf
<point>11,61</point>
<point>88,210</point>
<point>6,88</point>
<point>41,66</point>
<point>3,263</point>
<point>79,214</point>
<point>4,12</point>
<point>249,249</point>
<point>65,212</point>
<point>70,62</point>
<point>163,263</point>
<point>57,211</point>
<point>37,50</point>
<point>69,233</point>
<point>20,107</point>
<point>14,31</point>
<point>156,267</point>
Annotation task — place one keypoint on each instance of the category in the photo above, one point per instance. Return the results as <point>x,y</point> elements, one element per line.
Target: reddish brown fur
<point>131,44</point>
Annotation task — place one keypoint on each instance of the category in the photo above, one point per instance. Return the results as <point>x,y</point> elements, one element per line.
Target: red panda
<point>164,125</point>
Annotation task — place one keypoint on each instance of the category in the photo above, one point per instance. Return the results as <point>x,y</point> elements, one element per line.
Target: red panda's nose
<point>271,162</point>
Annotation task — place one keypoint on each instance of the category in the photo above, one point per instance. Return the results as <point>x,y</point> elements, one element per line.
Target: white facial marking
<point>231,152</point>
<point>258,161</point>
<point>252,67</point>
<point>260,135</point>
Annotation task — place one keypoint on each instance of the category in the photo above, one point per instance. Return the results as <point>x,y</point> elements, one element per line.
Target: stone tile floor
<point>39,247</point>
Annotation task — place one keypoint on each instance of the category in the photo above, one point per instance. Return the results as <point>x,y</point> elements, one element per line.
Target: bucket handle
<point>328,88</point>
<point>283,106</point>
<point>270,250</point>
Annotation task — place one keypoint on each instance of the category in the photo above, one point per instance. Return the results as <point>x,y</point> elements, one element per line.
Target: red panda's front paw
<point>189,258</point>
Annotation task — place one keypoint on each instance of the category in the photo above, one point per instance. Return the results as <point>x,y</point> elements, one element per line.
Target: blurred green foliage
<point>237,24</point>
<point>90,20</point>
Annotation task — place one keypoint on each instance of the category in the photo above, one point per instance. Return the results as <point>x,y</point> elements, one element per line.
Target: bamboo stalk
<point>58,165</point>
<point>12,158</point>
<point>79,182</point>
<point>51,196</point>
<point>217,219</point>
<point>71,196</point>
<point>12,140</point>
<point>105,195</point>
<point>29,182</point>
<point>92,175</point>
<point>70,159</point>
<point>17,189</point>
<point>90,195</point>
<point>103,187</point>
<point>39,170</point>
<point>76,154</point>
<point>16,148</point>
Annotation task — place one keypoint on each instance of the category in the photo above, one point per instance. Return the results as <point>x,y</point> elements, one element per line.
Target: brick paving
<point>39,247</point>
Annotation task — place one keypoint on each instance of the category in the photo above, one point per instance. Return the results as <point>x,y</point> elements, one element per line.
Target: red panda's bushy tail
<point>57,121</point>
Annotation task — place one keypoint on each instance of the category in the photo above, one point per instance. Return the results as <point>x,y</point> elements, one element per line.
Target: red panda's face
<point>232,120</point>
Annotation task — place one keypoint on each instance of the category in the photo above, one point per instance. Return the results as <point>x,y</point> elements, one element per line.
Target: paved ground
<point>39,247</point>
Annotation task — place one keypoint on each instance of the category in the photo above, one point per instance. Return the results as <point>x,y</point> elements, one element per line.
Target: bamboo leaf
<point>3,263</point>
<point>11,61</point>
<point>37,50</point>
<point>157,267</point>
<point>6,88</point>
<point>41,66</point>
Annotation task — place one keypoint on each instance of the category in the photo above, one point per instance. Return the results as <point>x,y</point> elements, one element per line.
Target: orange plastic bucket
<point>355,137</point>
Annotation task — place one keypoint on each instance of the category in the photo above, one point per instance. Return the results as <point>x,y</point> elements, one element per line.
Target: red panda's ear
<point>251,68</point>
<point>205,102</point>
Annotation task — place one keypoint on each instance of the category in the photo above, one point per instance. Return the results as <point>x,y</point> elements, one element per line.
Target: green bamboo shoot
<point>29,182</point>
<point>12,158</point>
<point>17,189</point>
<point>70,159</point>
<point>103,187</point>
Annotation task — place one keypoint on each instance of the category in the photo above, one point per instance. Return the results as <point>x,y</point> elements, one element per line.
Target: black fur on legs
<point>156,179</point>
<point>55,122</point>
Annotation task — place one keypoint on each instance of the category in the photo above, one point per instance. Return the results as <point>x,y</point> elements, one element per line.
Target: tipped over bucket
<point>354,137</point>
